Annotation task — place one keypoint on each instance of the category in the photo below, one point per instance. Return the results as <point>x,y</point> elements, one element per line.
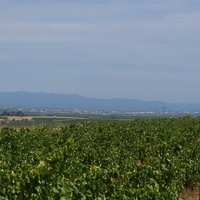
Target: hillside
<point>74,101</point>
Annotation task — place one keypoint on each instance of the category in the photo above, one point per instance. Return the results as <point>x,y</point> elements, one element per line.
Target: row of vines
<point>142,159</point>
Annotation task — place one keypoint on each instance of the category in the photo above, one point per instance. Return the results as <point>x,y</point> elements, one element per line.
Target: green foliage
<point>12,113</point>
<point>142,159</point>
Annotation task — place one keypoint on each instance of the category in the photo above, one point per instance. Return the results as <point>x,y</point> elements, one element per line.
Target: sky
<point>147,49</point>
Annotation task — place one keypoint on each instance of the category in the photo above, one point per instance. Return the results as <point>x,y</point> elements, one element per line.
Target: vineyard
<point>142,159</point>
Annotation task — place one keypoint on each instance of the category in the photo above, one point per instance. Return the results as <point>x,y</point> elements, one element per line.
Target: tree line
<point>12,113</point>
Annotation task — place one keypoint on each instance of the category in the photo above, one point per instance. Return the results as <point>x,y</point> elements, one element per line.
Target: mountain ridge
<point>76,101</point>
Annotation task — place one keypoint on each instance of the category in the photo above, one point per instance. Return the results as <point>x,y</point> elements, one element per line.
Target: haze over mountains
<point>74,101</point>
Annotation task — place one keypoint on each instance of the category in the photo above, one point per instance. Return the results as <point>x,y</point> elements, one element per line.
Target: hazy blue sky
<point>147,49</point>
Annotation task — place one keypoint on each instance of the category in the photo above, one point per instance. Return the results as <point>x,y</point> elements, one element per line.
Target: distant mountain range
<point>74,101</point>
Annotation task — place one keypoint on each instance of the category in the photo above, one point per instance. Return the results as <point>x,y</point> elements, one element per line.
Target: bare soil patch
<point>10,119</point>
<point>19,118</point>
<point>189,194</point>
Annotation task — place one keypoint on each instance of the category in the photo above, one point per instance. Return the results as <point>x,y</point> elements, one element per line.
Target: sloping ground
<point>189,194</point>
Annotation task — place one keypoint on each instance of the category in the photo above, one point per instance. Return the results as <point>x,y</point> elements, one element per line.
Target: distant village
<point>23,111</point>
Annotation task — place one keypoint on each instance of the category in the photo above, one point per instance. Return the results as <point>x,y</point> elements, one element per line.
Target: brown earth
<point>8,119</point>
<point>190,194</point>
<point>17,118</point>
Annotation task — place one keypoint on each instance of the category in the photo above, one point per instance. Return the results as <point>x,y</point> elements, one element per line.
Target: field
<point>35,121</point>
<point>51,121</point>
<point>141,159</point>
